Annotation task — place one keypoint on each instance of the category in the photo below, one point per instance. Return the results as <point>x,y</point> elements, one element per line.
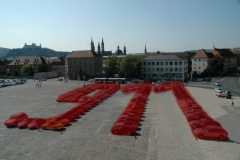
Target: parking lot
<point>163,132</point>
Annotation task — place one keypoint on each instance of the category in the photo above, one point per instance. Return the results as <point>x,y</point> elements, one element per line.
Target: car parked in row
<point>224,95</point>
<point>199,79</point>
<point>219,90</point>
<point>217,84</point>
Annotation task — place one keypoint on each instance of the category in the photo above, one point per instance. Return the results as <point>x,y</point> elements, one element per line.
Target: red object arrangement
<point>201,124</point>
<point>75,96</point>
<point>128,121</point>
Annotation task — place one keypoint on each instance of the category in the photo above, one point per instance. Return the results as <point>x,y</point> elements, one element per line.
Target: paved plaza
<point>163,131</point>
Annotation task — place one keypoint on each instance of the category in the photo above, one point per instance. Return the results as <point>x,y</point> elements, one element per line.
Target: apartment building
<point>165,67</point>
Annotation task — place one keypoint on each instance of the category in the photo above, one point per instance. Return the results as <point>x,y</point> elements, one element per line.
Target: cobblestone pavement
<point>163,132</point>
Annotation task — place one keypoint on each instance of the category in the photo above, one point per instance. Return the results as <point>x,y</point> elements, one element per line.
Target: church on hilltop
<point>32,46</point>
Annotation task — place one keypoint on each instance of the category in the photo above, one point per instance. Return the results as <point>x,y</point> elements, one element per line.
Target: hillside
<point>3,51</point>
<point>44,52</point>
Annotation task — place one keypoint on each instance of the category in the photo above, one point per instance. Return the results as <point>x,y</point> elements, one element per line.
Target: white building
<point>165,67</point>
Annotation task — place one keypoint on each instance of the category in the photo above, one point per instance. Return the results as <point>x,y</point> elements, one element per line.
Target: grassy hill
<point>44,52</point>
<point>3,51</point>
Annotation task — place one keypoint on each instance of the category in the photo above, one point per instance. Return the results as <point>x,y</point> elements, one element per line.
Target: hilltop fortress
<point>32,46</point>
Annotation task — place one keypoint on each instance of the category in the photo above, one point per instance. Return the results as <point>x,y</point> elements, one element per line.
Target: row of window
<point>161,76</point>
<point>162,69</point>
<point>199,67</point>
<point>84,62</point>
<point>57,66</point>
<point>204,60</point>
<point>76,69</point>
<point>200,64</point>
<point>161,63</point>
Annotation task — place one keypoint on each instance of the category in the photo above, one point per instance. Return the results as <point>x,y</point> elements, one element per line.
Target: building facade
<point>165,67</point>
<point>199,61</point>
<point>3,68</point>
<point>230,63</point>
<point>16,65</point>
<point>57,65</point>
<point>83,64</point>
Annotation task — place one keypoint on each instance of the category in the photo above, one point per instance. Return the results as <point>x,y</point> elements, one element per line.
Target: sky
<point>163,25</point>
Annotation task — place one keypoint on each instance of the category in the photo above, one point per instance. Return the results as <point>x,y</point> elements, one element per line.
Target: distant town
<point>92,63</point>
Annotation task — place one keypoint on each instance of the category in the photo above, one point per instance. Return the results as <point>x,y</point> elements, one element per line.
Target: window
<point>80,62</point>
<point>199,67</point>
<point>176,69</point>
<point>149,75</point>
<point>195,64</point>
<point>203,67</point>
<point>176,63</point>
<point>70,62</point>
<point>157,69</point>
<point>166,69</point>
<point>204,60</point>
<point>149,63</point>
<point>199,59</point>
<point>153,69</point>
<point>144,63</point>
<point>171,63</point>
<point>149,69</point>
<point>75,62</point>
<point>180,69</point>
<point>153,63</point>
<point>180,63</point>
<point>194,67</point>
<point>157,63</point>
<point>76,69</point>
<point>195,60</point>
<point>204,64</point>
<point>162,69</point>
<point>85,62</point>
<point>144,75</point>
<point>144,69</point>
<point>199,64</point>
<point>166,63</point>
<point>171,69</point>
<point>153,75</point>
<point>180,75</point>
<point>161,63</point>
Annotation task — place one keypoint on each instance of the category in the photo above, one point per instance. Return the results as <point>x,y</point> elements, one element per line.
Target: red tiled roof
<point>236,52</point>
<point>82,54</point>
<point>203,54</point>
<point>223,52</point>
<point>23,60</point>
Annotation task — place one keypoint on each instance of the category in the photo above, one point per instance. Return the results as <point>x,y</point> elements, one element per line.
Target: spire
<point>145,51</point>
<point>98,44</point>
<point>91,41</point>
<point>213,46</point>
<point>102,41</point>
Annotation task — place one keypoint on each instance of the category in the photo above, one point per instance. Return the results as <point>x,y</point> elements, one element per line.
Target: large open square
<point>163,132</point>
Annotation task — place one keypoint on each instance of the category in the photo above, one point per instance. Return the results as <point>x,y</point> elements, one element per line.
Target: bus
<point>111,80</point>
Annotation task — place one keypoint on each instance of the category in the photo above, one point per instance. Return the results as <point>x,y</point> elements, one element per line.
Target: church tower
<point>145,50</point>
<point>92,46</point>
<point>102,47</point>
<point>124,50</point>
<point>98,48</point>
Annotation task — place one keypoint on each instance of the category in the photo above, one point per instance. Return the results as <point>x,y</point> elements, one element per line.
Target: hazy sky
<point>164,25</point>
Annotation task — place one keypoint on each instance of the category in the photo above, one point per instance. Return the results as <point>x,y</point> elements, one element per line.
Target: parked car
<point>36,123</point>
<point>216,132</point>
<point>237,74</point>
<point>59,79</point>
<point>203,123</point>
<point>228,92</point>
<point>52,125</point>
<point>15,119</point>
<point>224,95</point>
<point>219,90</point>
<point>91,80</point>
<point>199,79</point>
<point>217,84</point>
<point>207,78</point>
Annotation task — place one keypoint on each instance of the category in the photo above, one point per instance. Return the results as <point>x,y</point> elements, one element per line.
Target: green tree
<point>158,51</point>
<point>31,71</point>
<point>8,73</point>
<point>215,65</point>
<point>16,73</point>
<point>131,66</point>
<point>41,68</point>
<point>112,65</point>
<point>5,61</point>
<point>26,69</point>
<point>238,59</point>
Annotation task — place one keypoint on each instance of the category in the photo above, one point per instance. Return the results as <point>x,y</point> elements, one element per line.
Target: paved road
<point>162,134</point>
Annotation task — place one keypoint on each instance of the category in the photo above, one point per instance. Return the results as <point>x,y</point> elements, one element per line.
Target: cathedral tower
<point>92,46</point>
<point>124,50</point>
<point>145,50</point>
<point>102,47</point>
